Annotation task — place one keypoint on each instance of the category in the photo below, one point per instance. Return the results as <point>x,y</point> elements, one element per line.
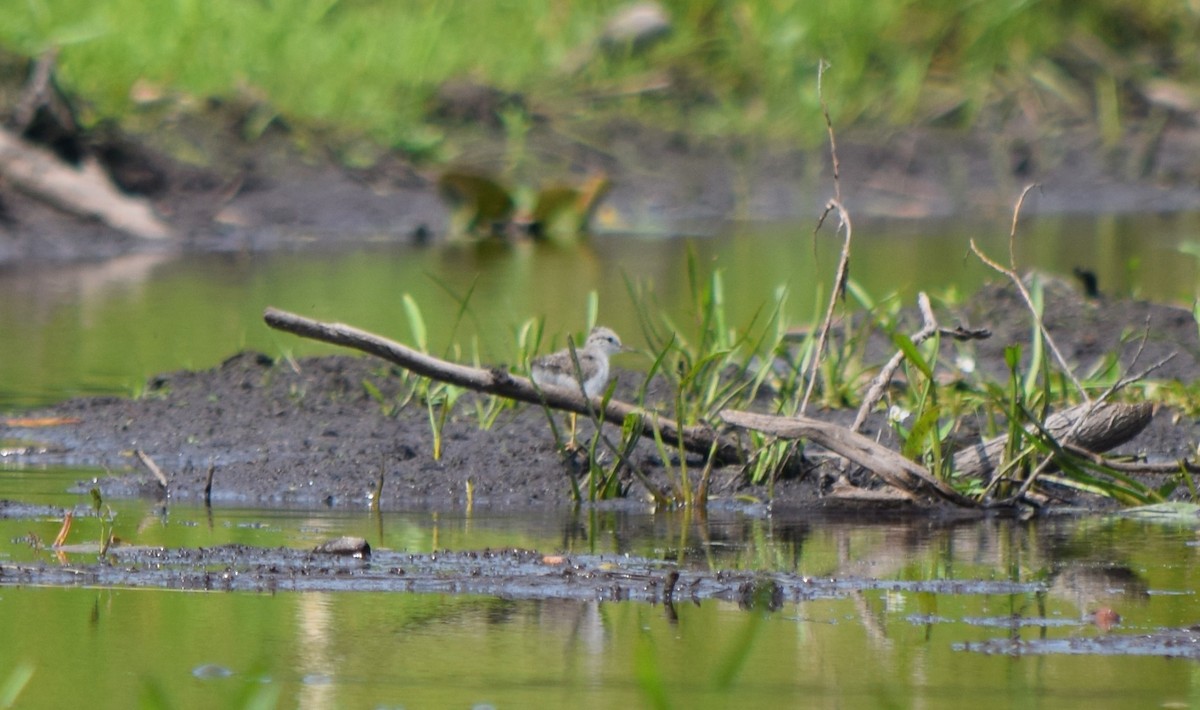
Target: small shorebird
<point>557,369</point>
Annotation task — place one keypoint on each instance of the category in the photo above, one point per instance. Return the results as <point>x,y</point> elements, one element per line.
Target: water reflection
<point>372,649</point>
<point>107,326</point>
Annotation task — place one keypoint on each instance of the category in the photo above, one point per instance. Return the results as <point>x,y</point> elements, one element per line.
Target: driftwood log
<point>1095,427</point>
<point>698,439</point>
<point>85,191</point>
<point>894,469</point>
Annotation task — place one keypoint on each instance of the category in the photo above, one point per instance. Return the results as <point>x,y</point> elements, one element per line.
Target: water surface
<point>879,646</point>
<point>104,328</point>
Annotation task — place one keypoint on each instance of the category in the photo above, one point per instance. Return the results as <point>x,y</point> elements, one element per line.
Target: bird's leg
<point>573,445</point>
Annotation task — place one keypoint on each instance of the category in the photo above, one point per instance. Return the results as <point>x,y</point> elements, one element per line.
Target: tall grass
<point>369,67</point>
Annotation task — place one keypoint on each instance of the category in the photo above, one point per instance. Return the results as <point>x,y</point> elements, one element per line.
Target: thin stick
<point>212,468</point>
<point>843,270</point>
<point>837,168</point>
<point>1011,273</point>
<point>152,467</point>
<point>39,92</point>
<point>839,290</point>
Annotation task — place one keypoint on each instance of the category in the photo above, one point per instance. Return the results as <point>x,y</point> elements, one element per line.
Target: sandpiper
<point>557,370</point>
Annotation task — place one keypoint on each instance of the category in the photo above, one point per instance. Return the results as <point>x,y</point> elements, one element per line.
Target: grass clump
<point>370,69</point>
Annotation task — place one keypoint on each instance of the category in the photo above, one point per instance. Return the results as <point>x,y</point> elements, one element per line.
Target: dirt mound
<point>321,431</point>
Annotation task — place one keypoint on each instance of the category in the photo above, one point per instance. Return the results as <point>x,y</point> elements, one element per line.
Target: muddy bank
<point>330,432</point>
<point>271,194</point>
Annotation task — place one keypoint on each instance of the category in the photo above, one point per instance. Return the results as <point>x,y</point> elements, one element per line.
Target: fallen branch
<point>697,439</point>
<point>894,469</point>
<point>85,191</point>
<point>1090,426</point>
<point>1105,426</point>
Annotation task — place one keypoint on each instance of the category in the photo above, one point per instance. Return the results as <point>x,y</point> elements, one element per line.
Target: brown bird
<point>557,369</point>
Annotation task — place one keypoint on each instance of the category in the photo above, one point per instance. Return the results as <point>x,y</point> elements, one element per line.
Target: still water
<point>104,328</point>
<point>118,647</point>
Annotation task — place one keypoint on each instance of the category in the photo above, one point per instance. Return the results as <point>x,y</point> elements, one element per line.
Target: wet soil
<point>509,573</point>
<point>331,432</point>
<point>293,189</point>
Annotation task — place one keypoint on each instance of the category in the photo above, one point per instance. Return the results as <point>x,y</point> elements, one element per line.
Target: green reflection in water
<point>873,647</point>
<point>104,647</point>
<point>107,327</point>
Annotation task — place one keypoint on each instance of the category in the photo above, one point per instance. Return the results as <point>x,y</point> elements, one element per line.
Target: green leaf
<point>593,309</point>
<point>914,356</point>
<point>416,322</point>
<point>372,390</point>
<point>922,429</point>
<point>1012,357</point>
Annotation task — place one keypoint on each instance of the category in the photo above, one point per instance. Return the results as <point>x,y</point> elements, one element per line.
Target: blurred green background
<point>368,68</point>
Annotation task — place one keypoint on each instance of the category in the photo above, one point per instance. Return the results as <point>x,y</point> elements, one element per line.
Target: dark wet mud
<point>1169,643</point>
<point>329,431</point>
<point>509,574</point>
<point>529,574</point>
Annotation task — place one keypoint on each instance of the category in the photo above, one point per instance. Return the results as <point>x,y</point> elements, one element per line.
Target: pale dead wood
<point>1087,426</point>
<point>698,439</point>
<point>152,467</point>
<point>85,191</point>
<point>1090,426</point>
<point>875,391</point>
<point>894,469</point>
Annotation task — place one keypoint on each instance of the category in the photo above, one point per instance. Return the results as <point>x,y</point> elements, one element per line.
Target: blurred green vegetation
<point>368,68</point>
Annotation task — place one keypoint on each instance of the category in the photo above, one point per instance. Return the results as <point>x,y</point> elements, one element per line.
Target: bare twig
<point>839,289</point>
<point>152,467</point>
<point>39,92</point>
<point>843,270</point>
<point>1011,272</point>
<point>823,65</point>
<point>208,481</point>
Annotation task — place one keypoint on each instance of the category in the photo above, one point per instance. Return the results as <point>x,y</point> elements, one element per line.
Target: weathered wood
<point>1105,426</point>
<point>1094,427</point>
<point>84,191</point>
<point>894,469</point>
<point>698,439</point>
